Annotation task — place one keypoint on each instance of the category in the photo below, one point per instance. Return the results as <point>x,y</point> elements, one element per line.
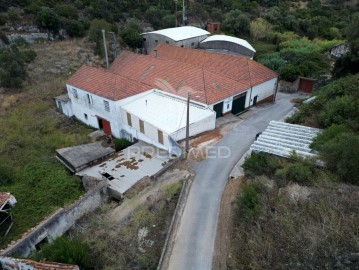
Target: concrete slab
<point>78,157</point>
<point>128,166</point>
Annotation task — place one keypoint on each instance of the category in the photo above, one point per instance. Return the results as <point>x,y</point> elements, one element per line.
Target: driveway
<point>194,242</point>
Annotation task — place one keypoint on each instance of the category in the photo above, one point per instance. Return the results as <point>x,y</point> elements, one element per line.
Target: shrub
<point>75,28</point>
<point>168,21</point>
<point>333,132</point>
<point>64,250</point>
<point>341,156</point>
<point>131,34</point>
<point>12,68</point>
<point>248,201</point>
<point>258,164</point>
<point>28,56</point>
<point>339,111</point>
<point>289,72</point>
<point>121,143</point>
<point>295,172</point>
<point>48,19</point>
<point>236,22</point>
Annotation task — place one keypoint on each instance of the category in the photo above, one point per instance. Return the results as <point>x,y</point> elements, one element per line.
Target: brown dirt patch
<point>225,224</point>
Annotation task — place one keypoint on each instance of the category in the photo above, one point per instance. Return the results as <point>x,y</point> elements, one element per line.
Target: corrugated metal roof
<point>166,112</point>
<point>235,40</point>
<point>282,139</point>
<point>181,33</point>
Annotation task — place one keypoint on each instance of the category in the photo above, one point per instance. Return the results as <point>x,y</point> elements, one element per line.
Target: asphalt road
<point>194,242</point>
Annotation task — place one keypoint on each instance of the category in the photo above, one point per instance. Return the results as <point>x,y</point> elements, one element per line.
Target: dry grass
<point>318,230</point>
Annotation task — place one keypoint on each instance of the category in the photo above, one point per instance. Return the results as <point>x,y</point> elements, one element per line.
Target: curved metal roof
<point>180,33</point>
<point>238,41</point>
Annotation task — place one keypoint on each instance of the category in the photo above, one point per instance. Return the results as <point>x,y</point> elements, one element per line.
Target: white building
<point>144,96</point>
<point>184,36</point>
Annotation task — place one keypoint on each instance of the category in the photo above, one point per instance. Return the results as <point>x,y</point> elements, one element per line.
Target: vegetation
<point>65,250</point>
<point>121,143</point>
<point>13,64</point>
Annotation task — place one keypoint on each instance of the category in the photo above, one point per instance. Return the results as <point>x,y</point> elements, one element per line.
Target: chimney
<point>154,53</point>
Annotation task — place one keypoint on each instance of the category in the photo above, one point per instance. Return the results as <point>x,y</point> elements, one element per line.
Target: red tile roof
<point>4,197</point>
<point>13,263</point>
<point>236,67</point>
<point>210,77</point>
<point>103,83</point>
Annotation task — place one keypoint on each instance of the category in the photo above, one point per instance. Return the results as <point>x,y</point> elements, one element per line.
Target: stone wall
<point>60,222</point>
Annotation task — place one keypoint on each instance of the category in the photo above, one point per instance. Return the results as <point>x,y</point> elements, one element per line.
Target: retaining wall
<point>57,224</point>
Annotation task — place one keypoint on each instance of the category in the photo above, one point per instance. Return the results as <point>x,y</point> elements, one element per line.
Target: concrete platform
<point>129,166</point>
<point>77,158</point>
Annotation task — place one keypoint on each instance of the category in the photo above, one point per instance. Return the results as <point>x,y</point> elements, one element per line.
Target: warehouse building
<point>228,44</point>
<point>184,36</point>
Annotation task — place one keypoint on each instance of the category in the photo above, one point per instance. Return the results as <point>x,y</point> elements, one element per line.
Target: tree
<point>289,72</point>
<point>131,34</point>
<point>236,22</point>
<point>168,21</point>
<point>260,28</point>
<point>12,68</point>
<point>48,19</point>
<point>95,34</point>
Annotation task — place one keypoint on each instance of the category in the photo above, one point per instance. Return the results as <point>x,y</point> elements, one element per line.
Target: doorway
<point>104,125</point>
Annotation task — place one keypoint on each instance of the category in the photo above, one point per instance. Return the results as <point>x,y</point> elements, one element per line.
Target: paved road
<point>194,242</point>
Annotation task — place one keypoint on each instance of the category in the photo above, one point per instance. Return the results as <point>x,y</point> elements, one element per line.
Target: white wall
<point>81,106</point>
<point>262,90</point>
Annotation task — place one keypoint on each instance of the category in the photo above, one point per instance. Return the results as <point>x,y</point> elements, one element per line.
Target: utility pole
<point>187,127</point>
<point>176,12</point>
<point>105,47</point>
<point>184,18</point>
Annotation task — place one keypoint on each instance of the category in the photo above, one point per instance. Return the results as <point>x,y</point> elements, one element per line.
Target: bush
<point>248,201</point>
<point>28,56</point>
<point>75,28</point>
<point>333,132</point>
<point>259,164</point>
<point>121,143</point>
<point>236,22</point>
<point>48,19</point>
<point>12,68</point>
<point>339,111</point>
<point>341,156</point>
<point>289,72</point>
<point>64,250</point>
<point>295,172</point>
<point>131,34</point>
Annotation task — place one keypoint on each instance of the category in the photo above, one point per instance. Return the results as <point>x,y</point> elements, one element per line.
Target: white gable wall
<point>263,91</point>
<point>94,109</point>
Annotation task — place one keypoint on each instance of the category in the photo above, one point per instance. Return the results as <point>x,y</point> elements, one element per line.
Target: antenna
<point>105,47</point>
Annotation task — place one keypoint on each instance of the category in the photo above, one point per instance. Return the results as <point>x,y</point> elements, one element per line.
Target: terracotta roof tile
<point>4,197</point>
<point>106,84</point>
<point>13,263</point>
<point>211,77</point>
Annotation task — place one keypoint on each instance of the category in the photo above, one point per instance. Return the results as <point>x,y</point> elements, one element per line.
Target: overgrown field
<point>30,131</point>
<point>100,242</point>
<point>294,216</point>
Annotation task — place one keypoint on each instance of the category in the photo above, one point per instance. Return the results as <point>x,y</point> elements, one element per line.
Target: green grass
<point>29,135</point>
<point>262,47</point>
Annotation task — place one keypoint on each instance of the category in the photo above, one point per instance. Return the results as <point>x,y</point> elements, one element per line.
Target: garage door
<point>218,108</point>
<point>238,104</point>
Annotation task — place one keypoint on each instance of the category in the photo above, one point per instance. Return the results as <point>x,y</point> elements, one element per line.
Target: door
<point>238,104</point>
<point>218,108</point>
<point>305,86</point>
<point>255,100</point>
<point>105,125</point>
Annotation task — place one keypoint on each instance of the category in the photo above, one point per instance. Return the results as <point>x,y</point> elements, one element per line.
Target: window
<point>74,92</point>
<point>227,106</point>
<point>144,39</point>
<point>160,136</point>
<point>167,42</point>
<point>142,127</point>
<point>181,46</point>
<point>192,44</point>
<point>86,117</point>
<point>89,99</point>
<point>129,121</point>
<point>156,41</point>
<point>107,105</point>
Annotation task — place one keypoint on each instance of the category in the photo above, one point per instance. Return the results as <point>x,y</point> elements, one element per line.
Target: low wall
<point>57,224</point>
